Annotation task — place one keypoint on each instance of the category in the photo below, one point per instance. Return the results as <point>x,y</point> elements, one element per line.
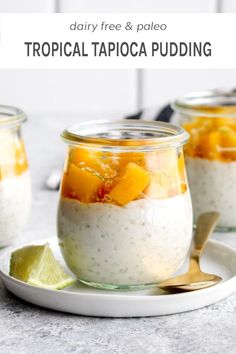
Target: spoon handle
<point>205,226</point>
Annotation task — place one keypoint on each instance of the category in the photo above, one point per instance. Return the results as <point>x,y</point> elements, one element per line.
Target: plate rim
<point>231,283</point>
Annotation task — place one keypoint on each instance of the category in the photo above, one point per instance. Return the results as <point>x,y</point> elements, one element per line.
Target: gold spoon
<point>195,279</point>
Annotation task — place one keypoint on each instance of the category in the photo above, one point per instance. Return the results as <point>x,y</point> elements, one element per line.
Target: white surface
<point>137,6</point>
<point>82,300</point>
<point>80,90</point>
<point>115,5</point>
<point>228,5</point>
<point>160,86</point>
<point>27,5</point>
<point>102,91</point>
<point>69,91</point>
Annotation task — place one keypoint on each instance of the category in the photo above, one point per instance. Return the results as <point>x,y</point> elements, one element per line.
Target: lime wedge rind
<point>59,286</point>
<point>37,266</point>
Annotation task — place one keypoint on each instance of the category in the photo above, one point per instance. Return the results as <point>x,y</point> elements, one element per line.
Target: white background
<point>107,91</point>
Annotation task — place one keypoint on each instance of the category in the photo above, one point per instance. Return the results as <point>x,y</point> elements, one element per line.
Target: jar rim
<point>211,103</point>
<point>10,115</point>
<point>125,135</point>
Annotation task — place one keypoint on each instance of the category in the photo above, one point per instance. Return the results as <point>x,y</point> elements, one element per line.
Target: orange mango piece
<point>228,143</point>
<point>188,126</point>
<point>169,181</point>
<point>126,157</point>
<point>212,138</point>
<point>82,156</point>
<point>194,144</point>
<point>181,167</point>
<point>221,122</point>
<point>130,184</point>
<point>200,121</point>
<point>83,184</point>
<point>210,146</point>
<point>64,187</point>
<point>14,161</point>
<point>91,160</point>
<point>21,159</point>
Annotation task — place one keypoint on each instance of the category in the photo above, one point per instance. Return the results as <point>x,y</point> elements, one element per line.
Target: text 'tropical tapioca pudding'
<point>210,119</point>
<point>15,189</point>
<point>124,215</point>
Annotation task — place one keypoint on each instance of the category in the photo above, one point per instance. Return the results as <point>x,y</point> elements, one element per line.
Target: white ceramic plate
<point>82,300</point>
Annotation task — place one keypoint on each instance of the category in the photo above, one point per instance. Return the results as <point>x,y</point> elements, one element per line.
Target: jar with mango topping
<point>210,119</point>
<point>124,214</point>
<point>15,187</point>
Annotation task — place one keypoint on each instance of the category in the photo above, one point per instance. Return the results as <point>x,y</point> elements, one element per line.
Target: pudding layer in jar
<point>124,215</point>
<point>15,187</point>
<point>210,154</point>
<point>206,179</point>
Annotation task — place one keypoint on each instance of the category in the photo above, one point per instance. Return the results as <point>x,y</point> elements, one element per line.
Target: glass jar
<point>210,119</point>
<point>125,214</point>
<point>15,188</point>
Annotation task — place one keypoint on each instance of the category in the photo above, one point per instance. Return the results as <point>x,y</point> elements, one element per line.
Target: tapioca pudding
<point>125,215</point>
<point>15,187</point>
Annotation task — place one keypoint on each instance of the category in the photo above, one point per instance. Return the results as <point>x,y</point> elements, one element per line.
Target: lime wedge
<point>37,266</point>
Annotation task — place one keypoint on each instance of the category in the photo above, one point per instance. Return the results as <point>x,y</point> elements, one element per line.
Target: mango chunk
<point>92,161</point>
<point>83,184</point>
<point>212,138</point>
<point>82,156</point>
<point>210,145</point>
<point>136,157</point>
<point>224,121</point>
<point>21,159</point>
<point>158,187</point>
<point>131,183</point>
<point>228,143</point>
<point>181,167</point>
<point>162,161</point>
<point>168,184</point>
<point>13,161</point>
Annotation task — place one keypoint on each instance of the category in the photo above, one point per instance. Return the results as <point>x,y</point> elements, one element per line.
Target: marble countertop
<point>27,329</point>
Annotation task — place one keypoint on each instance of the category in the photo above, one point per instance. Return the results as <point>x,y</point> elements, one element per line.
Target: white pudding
<point>213,188</point>
<point>144,242</point>
<point>15,201</point>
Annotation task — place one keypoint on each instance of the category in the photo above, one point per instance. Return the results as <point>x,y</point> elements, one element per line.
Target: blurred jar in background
<point>210,119</point>
<point>15,187</point>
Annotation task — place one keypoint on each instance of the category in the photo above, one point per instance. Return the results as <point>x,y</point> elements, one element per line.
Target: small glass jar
<point>15,187</point>
<point>125,214</point>
<point>210,119</point>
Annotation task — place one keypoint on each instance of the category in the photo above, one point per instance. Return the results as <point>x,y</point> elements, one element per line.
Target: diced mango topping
<point>82,184</point>
<point>138,158</point>
<point>119,178</point>
<point>212,138</point>
<point>21,160</point>
<point>13,161</point>
<point>131,183</point>
<point>168,181</point>
<point>90,160</point>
